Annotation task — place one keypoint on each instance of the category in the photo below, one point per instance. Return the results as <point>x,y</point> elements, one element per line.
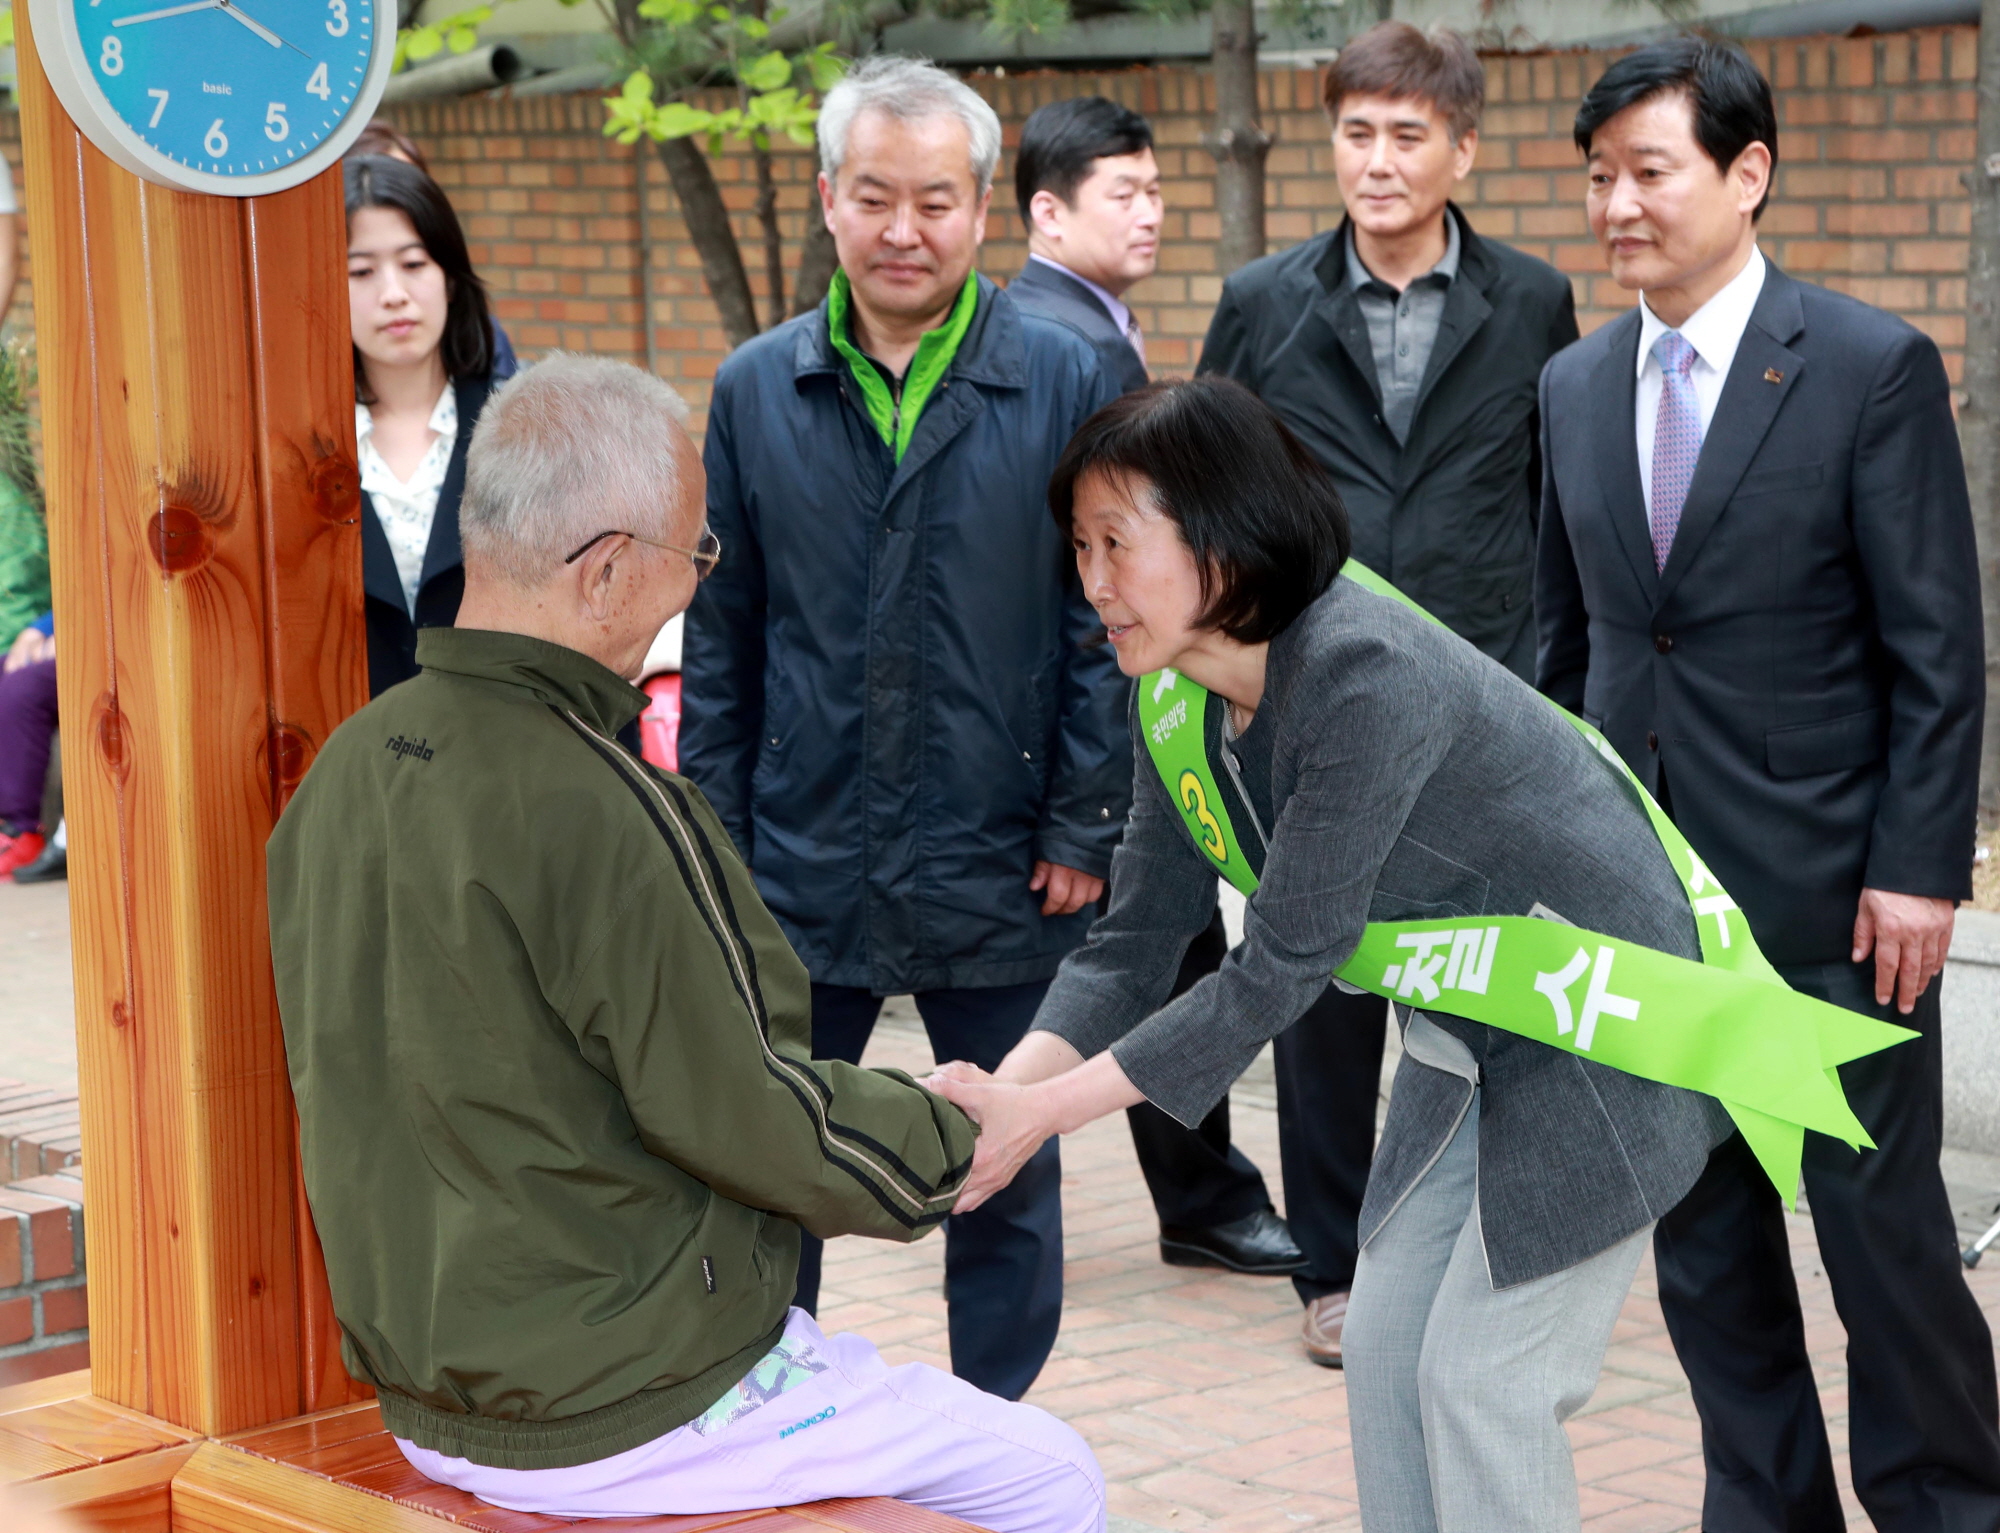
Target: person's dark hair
<point>1396,60</point>
<point>383,137</point>
<point>1061,141</point>
<point>1258,512</point>
<point>1729,98</point>
<point>466,347</point>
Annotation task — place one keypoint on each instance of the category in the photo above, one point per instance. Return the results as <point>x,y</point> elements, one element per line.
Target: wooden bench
<point>118,1471</point>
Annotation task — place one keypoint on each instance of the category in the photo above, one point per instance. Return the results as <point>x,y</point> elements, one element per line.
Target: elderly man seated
<point>559,1120</point>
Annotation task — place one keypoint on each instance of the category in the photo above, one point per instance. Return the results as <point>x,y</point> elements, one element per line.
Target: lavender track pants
<point>824,1417</point>
<point>27,720</point>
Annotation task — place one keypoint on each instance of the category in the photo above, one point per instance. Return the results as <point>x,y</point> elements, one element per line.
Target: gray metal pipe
<point>458,75</point>
<point>1810,19</point>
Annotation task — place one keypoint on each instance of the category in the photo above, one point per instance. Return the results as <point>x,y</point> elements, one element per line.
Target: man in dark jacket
<point>1758,577</point>
<point>1404,351</point>
<point>887,697</point>
<point>1088,187</point>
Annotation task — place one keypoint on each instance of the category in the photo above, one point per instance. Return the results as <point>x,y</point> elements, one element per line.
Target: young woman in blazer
<point>423,365</point>
<point>1375,767</point>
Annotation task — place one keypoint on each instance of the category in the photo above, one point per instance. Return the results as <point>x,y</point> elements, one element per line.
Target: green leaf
<point>766,72</point>
<point>679,120</point>
<point>461,39</point>
<point>422,42</point>
<point>754,27</point>
<point>826,68</point>
<point>638,86</point>
<point>7,27</point>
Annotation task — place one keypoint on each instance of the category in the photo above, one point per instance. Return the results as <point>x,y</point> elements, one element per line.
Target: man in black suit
<point>1403,349</point>
<point>1756,574</point>
<point>1089,191</point>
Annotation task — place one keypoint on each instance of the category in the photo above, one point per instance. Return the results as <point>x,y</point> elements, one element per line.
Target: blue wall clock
<point>237,97</point>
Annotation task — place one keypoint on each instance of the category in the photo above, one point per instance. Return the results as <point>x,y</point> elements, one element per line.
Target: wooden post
<point>198,428</point>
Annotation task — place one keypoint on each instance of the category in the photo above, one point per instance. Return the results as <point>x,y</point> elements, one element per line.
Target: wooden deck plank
<point>40,1392</point>
<point>29,1458</point>
<point>95,1431</point>
<point>131,1495</point>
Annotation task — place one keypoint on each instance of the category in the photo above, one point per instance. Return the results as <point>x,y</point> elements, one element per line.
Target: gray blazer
<point>1412,777</point>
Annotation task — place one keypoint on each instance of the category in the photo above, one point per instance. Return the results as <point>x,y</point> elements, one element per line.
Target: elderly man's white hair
<point>907,89</point>
<point>568,448</point>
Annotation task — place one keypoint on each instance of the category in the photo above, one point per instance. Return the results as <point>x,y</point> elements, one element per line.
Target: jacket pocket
<point>1782,477</point>
<point>1417,883</point>
<point>1832,745</point>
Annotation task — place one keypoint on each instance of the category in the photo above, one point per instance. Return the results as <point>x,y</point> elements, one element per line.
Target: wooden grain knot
<point>334,481</point>
<point>178,539</point>
<point>121,1014</point>
<point>114,736</point>
<point>291,751</point>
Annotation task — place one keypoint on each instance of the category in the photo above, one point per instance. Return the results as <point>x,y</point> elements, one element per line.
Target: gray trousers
<point>1456,1393</point>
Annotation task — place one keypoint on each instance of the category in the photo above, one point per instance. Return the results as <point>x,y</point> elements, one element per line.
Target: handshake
<point>1043,1087</point>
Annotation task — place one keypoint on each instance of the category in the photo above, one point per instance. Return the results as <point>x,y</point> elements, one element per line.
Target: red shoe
<point>20,849</point>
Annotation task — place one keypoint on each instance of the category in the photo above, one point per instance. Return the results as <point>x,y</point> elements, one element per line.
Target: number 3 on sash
<point>1196,803</point>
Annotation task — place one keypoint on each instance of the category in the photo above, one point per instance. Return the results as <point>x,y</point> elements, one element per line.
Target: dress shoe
<point>45,869</point>
<point>1326,1317</point>
<point>19,848</point>
<point>1258,1243</point>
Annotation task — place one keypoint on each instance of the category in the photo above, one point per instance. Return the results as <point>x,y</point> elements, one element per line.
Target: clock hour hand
<point>258,27</point>
<point>172,10</point>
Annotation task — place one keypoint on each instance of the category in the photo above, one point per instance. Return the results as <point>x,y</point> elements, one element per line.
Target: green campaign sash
<point>1728,1025</point>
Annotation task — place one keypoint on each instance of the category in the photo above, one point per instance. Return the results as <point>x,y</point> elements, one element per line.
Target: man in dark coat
<point>1757,575</point>
<point>1088,187</point>
<point>887,695</point>
<point>1403,350</point>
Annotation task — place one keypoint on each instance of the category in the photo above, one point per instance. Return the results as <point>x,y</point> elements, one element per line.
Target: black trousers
<point>1922,1438</point>
<point>1003,1261</point>
<point>1328,1067</point>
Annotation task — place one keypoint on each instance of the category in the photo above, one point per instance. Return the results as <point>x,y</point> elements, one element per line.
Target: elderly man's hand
<point>1910,934</point>
<point>1014,1122</point>
<point>31,646</point>
<point>1069,889</point>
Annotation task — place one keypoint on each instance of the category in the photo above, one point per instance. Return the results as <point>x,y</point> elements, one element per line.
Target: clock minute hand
<point>172,10</point>
<point>258,27</point>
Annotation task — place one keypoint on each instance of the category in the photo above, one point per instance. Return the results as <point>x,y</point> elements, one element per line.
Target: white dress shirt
<point>406,510</point>
<point>1714,330</point>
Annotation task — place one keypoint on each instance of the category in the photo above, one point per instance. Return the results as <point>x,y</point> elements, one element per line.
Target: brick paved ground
<point>1190,1386</point>
<point>37,1037</point>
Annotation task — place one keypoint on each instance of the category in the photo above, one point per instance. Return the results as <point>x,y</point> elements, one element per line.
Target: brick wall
<point>43,1300</point>
<point>1875,134</point>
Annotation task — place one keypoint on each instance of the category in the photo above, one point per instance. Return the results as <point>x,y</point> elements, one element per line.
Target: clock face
<point>236,96</point>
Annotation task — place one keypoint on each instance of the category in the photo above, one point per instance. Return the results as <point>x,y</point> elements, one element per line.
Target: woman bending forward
<point>1375,768</point>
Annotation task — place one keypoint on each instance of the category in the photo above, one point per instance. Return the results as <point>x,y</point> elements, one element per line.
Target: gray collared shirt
<point>1403,327</point>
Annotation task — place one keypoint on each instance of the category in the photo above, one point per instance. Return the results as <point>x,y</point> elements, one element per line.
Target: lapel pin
<point>1772,375</point>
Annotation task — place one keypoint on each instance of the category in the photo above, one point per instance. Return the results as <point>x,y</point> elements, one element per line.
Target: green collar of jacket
<point>562,678</point>
<point>895,412</point>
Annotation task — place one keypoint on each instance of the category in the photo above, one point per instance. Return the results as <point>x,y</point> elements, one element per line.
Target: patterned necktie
<point>1676,440</point>
<point>1132,334</point>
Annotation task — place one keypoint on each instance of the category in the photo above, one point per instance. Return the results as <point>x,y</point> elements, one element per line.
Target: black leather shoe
<point>1259,1243</point>
<point>47,868</point>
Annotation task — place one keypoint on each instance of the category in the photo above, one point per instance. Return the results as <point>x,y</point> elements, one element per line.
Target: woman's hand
<point>31,646</point>
<point>1014,1122</point>
<point>1014,1119</point>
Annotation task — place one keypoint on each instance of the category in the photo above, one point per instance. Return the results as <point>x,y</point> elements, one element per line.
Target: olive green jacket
<point>559,1120</point>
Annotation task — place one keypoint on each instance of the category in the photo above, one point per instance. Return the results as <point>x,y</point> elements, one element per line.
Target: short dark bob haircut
<point>1257,511</point>
<point>376,181</point>
<point>1730,99</point>
<point>1061,141</point>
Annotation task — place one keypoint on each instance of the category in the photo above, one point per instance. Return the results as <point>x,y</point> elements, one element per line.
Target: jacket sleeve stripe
<point>678,830</point>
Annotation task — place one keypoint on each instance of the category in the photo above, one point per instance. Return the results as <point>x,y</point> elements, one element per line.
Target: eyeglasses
<point>706,554</point>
